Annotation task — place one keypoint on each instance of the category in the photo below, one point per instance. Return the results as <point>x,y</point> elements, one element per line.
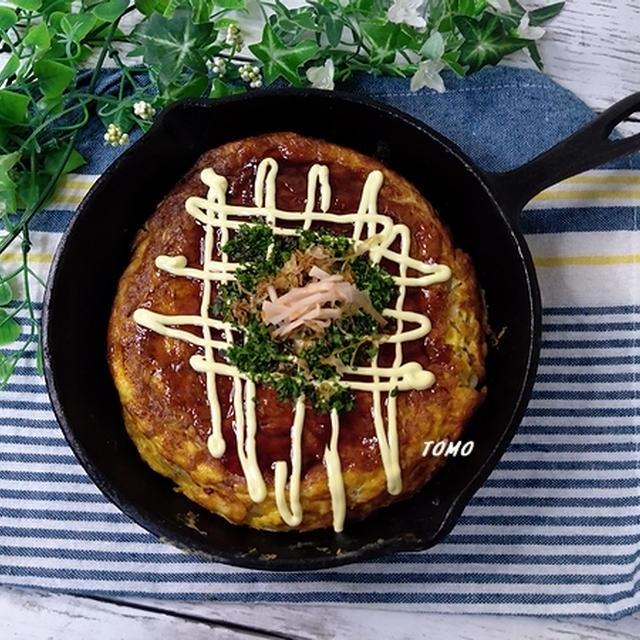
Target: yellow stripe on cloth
<point>611,176</point>
<point>587,268</point>
<point>588,194</point>
<point>599,187</point>
<point>71,190</point>
<point>33,257</point>
<point>77,181</point>
<point>563,261</point>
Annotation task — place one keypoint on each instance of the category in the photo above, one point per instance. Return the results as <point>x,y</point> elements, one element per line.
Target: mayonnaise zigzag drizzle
<point>372,233</point>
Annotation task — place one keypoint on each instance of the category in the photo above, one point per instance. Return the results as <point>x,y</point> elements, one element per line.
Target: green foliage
<point>190,48</point>
<point>7,185</point>
<point>384,39</point>
<point>29,5</point>
<point>38,37</point>
<point>76,26</point>
<point>173,45</point>
<point>8,18</point>
<point>485,41</point>
<point>54,77</point>
<point>544,14</point>
<point>6,295</point>
<point>13,107</point>
<point>110,10</point>
<point>280,61</point>
<point>9,328</point>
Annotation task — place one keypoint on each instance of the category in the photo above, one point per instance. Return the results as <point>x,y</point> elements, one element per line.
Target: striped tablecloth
<point>556,527</point>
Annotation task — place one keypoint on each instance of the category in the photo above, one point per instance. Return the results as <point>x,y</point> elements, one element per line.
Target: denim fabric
<point>500,117</point>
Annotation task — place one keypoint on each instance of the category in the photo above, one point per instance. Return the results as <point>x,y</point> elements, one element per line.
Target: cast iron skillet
<point>482,211</point>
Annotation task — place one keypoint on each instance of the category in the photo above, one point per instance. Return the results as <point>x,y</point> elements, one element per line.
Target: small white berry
<point>143,110</point>
<point>218,66</point>
<point>115,136</point>
<point>251,75</point>
<point>234,37</point>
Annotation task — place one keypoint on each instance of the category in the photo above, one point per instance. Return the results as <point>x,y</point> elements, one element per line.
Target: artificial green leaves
<point>174,45</point>
<point>486,41</point>
<point>283,61</point>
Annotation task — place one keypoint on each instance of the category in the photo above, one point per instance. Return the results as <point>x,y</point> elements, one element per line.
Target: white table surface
<point>593,49</point>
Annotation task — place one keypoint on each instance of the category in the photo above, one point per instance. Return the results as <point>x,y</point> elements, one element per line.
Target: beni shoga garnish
<point>302,303</point>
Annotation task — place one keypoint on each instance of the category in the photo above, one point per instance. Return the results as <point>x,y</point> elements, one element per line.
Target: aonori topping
<point>309,307</point>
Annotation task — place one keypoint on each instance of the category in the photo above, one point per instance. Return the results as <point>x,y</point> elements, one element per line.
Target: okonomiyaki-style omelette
<point>294,328</point>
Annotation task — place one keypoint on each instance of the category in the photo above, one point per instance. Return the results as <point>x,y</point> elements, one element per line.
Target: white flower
<point>115,137</point>
<point>527,32</point>
<point>428,75</point>
<point>406,11</point>
<point>502,6</point>
<point>322,77</point>
<point>251,75</point>
<point>143,110</point>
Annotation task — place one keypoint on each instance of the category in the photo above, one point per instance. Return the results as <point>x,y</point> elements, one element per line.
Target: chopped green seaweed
<point>308,361</point>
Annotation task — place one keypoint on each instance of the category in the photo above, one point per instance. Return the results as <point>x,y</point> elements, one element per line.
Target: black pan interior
<point>96,248</point>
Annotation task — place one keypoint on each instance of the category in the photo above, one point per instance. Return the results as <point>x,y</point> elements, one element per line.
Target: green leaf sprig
<point>171,49</point>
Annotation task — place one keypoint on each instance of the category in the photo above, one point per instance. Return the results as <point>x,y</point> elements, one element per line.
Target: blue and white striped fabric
<point>556,527</point>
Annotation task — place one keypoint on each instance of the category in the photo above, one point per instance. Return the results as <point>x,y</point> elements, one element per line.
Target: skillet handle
<point>589,147</point>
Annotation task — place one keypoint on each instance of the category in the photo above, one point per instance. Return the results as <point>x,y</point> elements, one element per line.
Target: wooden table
<point>592,49</point>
